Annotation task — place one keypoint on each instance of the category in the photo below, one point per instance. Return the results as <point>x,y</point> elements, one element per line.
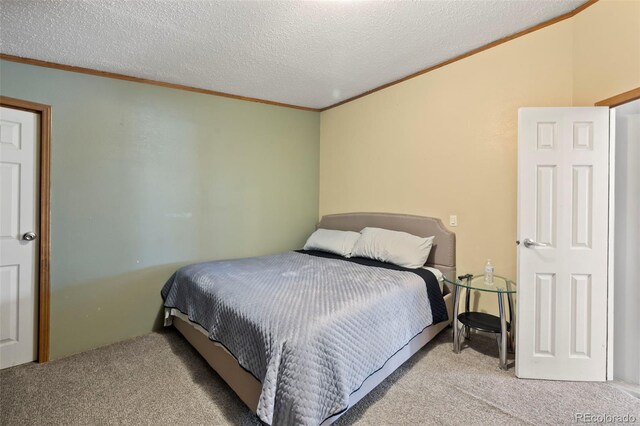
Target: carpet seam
<point>492,404</point>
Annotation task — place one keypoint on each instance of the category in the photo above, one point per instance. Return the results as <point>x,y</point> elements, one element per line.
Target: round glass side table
<point>503,329</point>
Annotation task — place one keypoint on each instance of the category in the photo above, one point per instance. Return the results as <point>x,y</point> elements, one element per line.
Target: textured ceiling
<point>307,53</point>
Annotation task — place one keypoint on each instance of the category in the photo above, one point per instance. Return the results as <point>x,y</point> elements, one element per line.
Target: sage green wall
<point>146,179</point>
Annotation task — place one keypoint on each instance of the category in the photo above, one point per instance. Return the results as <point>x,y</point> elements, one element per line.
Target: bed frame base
<point>243,383</point>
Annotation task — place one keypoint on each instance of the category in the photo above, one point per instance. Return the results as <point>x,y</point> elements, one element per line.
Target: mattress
<point>311,328</point>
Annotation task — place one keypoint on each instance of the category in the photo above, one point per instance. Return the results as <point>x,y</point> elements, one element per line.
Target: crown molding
<point>90,71</point>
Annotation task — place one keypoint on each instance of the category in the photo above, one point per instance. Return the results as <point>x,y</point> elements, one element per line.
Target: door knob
<point>29,236</point>
<point>528,243</point>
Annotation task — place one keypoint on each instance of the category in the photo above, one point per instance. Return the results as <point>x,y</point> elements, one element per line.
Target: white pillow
<point>395,247</point>
<point>333,241</point>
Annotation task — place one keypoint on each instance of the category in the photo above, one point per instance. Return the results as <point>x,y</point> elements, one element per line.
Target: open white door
<point>18,232</point>
<point>563,219</point>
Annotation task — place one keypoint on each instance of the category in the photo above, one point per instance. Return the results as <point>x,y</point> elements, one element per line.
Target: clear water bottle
<point>488,272</point>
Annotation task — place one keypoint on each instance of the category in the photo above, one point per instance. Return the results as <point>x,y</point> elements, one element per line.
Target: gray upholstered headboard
<point>443,253</point>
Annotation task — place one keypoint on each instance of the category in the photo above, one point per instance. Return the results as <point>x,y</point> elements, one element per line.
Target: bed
<point>332,375</point>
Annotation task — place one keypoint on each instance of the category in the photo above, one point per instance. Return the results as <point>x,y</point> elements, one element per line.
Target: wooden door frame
<point>44,291</point>
<point>620,99</point>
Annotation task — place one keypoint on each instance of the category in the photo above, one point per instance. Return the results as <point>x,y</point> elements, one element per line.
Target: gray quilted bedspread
<point>310,329</point>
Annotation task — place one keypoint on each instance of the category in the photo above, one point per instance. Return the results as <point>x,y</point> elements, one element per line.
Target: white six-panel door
<point>563,201</point>
<point>18,215</point>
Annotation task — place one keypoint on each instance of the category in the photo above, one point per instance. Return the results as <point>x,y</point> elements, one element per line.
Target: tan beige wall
<point>446,142</point>
<point>606,53</point>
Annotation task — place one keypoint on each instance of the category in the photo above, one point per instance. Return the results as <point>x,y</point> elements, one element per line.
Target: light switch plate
<point>453,220</point>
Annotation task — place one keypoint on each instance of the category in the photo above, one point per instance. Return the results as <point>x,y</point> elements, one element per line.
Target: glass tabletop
<point>477,282</point>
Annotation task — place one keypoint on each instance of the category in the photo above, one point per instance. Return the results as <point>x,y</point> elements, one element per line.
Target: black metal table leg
<point>456,328</point>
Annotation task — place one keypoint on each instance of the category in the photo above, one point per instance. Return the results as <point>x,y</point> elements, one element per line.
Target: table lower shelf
<point>482,321</point>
